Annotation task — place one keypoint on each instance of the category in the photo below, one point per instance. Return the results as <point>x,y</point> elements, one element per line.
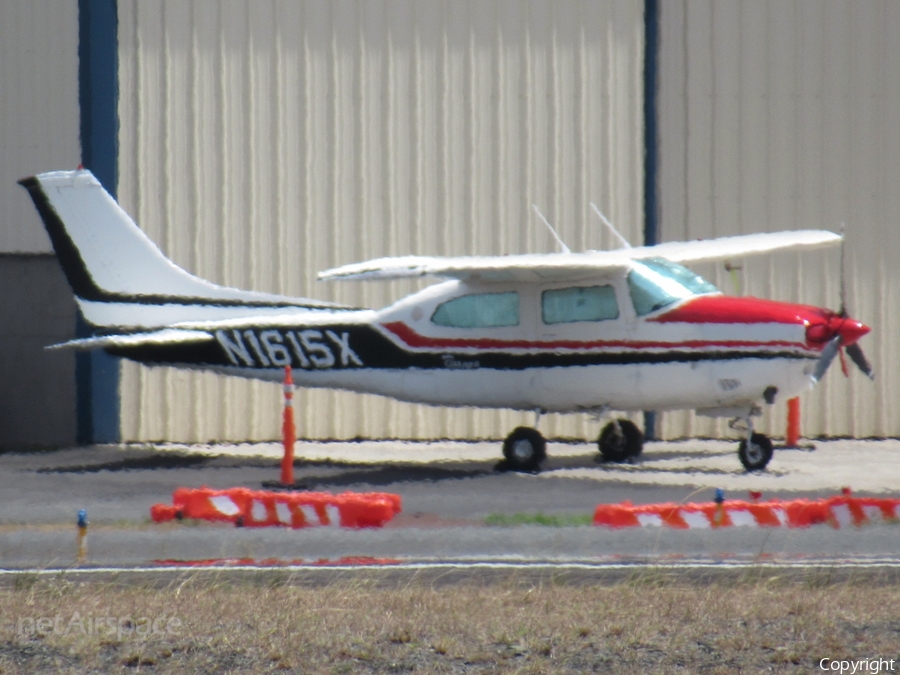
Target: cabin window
<point>589,303</point>
<point>479,310</point>
<point>657,283</point>
<point>647,295</point>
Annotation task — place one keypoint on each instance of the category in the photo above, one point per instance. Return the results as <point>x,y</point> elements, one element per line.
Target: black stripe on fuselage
<point>353,346</point>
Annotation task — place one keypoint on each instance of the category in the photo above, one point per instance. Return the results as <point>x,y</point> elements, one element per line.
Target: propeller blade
<point>828,354</point>
<point>844,368</point>
<point>854,351</point>
<point>856,355</point>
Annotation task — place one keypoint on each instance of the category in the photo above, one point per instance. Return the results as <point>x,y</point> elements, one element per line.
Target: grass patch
<point>511,520</point>
<point>352,625</point>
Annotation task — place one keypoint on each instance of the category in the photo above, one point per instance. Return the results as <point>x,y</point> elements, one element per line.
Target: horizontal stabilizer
<point>160,337</point>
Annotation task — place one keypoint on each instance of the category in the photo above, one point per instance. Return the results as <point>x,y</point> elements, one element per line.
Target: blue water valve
<point>720,496</point>
<point>82,518</point>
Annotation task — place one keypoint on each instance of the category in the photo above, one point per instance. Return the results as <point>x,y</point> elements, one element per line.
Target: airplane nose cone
<point>850,331</point>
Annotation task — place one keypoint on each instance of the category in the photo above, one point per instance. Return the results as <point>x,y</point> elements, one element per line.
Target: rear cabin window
<point>479,310</point>
<point>587,303</point>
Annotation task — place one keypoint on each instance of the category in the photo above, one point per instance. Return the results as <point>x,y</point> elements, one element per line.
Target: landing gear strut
<point>524,449</point>
<point>620,441</point>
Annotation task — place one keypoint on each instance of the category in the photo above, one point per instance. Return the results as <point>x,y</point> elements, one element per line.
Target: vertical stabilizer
<point>109,261</point>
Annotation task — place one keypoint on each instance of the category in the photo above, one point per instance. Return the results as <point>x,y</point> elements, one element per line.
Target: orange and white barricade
<point>841,511</point>
<point>250,508</point>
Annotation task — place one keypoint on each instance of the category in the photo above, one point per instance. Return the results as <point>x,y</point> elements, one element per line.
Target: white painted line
<point>475,565</point>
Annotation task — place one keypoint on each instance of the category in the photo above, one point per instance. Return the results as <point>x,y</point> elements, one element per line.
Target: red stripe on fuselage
<point>418,341</point>
<point>729,309</point>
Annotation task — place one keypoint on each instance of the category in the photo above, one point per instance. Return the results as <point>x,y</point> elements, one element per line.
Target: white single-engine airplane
<point>629,329</point>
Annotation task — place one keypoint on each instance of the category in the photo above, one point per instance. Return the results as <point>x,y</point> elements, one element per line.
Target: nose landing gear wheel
<point>755,455</point>
<point>620,441</point>
<point>524,449</point>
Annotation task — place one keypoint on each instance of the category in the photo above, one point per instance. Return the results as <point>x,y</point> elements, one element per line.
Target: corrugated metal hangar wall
<point>261,142</point>
<point>38,130</point>
<point>783,114</point>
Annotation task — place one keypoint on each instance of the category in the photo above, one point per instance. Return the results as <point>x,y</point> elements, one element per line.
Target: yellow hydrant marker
<point>81,556</point>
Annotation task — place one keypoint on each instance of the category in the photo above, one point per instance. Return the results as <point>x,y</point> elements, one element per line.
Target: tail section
<point>118,274</point>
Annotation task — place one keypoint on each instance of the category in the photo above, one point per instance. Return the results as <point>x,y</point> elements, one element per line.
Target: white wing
<point>739,246</point>
<point>534,267</point>
<point>531,267</point>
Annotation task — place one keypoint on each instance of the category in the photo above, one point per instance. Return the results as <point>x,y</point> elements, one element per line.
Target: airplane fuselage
<point>734,352</point>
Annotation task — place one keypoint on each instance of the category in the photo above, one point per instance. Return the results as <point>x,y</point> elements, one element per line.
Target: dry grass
<point>647,625</point>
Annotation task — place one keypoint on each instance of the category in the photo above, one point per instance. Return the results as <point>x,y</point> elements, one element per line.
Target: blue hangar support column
<point>651,147</point>
<point>97,373</point>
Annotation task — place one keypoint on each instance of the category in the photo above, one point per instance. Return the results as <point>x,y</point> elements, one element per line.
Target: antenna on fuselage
<point>562,244</point>
<point>612,229</point>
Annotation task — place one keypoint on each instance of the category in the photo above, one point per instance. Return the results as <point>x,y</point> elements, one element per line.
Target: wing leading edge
<point>533,267</point>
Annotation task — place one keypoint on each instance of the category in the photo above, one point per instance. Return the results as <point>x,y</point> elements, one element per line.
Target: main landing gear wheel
<point>755,455</point>
<point>620,441</point>
<point>524,449</point>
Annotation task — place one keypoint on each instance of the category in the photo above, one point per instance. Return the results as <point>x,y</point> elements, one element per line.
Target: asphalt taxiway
<point>448,490</point>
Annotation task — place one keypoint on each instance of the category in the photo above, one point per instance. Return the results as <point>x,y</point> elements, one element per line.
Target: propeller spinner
<point>842,334</point>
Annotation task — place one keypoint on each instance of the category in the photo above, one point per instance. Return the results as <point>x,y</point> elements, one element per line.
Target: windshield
<point>655,283</point>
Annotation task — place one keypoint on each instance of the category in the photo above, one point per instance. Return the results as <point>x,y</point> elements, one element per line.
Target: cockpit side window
<point>685,277</point>
<point>580,303</point>
<point>657,283</point>
<point>479,310</point>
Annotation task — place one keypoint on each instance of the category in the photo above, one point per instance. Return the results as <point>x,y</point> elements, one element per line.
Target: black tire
<point>758,454</point>
<point>620,441</point>
<point>524,449</point>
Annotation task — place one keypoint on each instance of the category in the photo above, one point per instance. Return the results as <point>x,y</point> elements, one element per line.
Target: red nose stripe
<point>727,309</point>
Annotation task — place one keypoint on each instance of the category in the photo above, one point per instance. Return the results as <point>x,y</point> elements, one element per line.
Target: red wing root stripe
<point>415,340</point>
